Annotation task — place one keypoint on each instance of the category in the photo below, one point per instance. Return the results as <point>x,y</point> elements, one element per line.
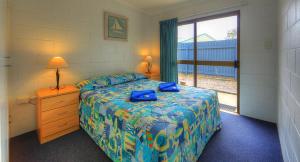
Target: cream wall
<point>3,80</point>
<point>289,79</point>
<point>258,61</point>
<point>72,29</point>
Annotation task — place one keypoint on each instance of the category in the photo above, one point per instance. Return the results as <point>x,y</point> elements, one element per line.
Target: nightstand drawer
<point>59,113</point>
<point>60,125</point>
<point>59,101</point>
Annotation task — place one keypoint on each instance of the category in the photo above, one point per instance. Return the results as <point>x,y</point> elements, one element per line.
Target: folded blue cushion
<point>168,87</point>
<point>145,95</point>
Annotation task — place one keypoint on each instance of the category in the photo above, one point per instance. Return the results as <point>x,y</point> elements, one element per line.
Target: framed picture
<point>115,27</point>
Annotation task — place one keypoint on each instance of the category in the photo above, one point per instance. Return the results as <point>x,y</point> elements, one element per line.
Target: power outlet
<point>9,119</point>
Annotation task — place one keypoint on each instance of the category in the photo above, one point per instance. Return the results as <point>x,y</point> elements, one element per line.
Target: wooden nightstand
<point>153,76</point>
<point>57,112</point>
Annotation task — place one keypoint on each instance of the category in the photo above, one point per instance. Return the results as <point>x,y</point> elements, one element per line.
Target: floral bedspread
<point>175,128</point>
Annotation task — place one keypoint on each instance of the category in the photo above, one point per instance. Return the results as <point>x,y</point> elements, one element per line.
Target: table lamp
<point>57,63</point>
<point>149,65</point>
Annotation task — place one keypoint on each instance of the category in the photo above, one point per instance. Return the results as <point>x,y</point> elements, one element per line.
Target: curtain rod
<point>201,14</point>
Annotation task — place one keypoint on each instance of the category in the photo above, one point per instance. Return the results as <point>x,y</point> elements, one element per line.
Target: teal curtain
<point>168,51</point>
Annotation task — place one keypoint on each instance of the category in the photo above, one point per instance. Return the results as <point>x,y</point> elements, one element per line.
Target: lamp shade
<point>57,62</point>
<point>148,58</point>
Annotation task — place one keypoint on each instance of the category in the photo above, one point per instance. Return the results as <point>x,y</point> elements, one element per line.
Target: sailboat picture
<point>116,27</point>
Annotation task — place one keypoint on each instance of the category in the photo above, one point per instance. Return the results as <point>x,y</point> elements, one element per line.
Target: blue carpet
<point>241,139</point>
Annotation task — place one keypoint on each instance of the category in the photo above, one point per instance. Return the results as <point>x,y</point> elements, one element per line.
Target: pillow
<point>139,76</point>
<point>101,81</point>
<point>82,83</point>
<point>87,87</point>
<point>120,78</point>
<point>129,76</point>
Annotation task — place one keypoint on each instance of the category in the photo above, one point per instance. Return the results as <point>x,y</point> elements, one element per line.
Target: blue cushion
<point>145,95</point>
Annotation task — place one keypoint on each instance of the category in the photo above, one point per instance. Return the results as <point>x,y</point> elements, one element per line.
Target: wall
<point>72,29</point>
<point>3,81</point>
<point>289,79</point>
<point>258,55</point>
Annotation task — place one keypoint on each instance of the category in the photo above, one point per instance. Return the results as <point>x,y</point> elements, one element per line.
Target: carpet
<point>242,139</point>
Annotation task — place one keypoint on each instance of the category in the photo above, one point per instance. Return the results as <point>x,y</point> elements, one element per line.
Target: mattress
<point>175,128</point>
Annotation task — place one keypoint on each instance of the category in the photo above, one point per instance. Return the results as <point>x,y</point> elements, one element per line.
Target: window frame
<point>197,62</point>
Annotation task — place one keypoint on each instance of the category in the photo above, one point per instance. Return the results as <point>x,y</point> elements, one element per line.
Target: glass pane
<point>219,78</point>
<point>185,51</point>
<point>185,48</point>
<point>217,39</point>
<point>224,80</point>
<point>186,74</point>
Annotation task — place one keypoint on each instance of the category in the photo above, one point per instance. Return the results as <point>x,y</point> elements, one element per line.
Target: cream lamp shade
<point>148,58</point>
<point>57,62</point>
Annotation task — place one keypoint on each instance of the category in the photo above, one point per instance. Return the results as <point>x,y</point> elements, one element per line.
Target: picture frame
<point>115,27</point>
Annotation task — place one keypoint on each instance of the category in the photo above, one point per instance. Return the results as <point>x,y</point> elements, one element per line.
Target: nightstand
<point>153,76</point>
<point>57,112</point>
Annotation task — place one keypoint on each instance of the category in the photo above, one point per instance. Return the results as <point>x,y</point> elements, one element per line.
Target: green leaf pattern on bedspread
<point>175,128</point>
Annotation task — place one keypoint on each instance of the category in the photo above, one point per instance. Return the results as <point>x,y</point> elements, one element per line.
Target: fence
<point>225,50</point>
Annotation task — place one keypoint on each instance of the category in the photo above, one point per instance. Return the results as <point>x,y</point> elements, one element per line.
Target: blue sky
<point>216,28</point>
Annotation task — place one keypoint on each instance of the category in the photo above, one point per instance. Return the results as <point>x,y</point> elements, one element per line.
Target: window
<point>208,54</point>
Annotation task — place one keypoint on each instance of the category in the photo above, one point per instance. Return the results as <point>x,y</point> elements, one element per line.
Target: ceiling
<point>152,6</point>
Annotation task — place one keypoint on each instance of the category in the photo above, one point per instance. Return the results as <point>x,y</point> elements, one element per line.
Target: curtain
<point>168,51</point>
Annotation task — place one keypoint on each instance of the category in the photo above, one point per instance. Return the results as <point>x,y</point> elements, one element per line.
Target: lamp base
<point>149,67</point>
<point>57,78</point>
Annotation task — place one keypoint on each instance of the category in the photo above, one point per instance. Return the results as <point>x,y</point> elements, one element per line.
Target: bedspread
<point>175,128</point>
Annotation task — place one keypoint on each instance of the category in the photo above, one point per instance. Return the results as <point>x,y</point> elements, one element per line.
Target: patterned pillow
<point>129,76</point>
<point>120,78</point>
<point>87,87</point>
<point>139,76</point>
<point>100,81</point>
<point>82,83</point>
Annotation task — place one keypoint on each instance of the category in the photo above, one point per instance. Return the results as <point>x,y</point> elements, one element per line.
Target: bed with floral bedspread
<point>176,127</point>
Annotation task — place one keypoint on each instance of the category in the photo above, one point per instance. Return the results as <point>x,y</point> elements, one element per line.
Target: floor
<point>229,109</point>
<point>228,102</point>
<point>241,139</point>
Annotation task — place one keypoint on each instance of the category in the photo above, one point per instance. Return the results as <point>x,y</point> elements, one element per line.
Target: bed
<point>175,128</point>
